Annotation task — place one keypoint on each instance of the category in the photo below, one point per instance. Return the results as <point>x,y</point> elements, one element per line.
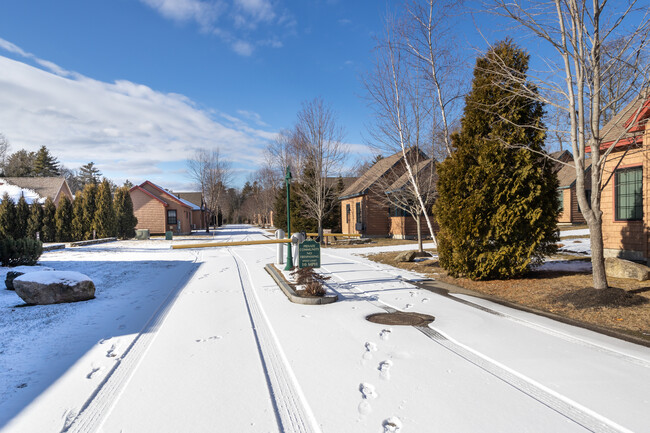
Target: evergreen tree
<point>124,217</point>
<point>497,205</point>
<point>35,222</point>
<point>128,184</point>
<point>20,164</point>
<point>299,223</point>
<point>89,174</point>
<point>78,230</point>
<point>64,215</point>
<point>45,164</point>
<point>89,205</point>
<point>48,233</point>
<point>7,217</point>
<point>22,218</point>
<point>104,220</point>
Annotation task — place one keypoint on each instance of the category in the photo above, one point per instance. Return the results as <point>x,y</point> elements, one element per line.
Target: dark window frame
<point>628,194</point>
<point>358,212</point>
<point>347,213</point>
<point>172,220</point>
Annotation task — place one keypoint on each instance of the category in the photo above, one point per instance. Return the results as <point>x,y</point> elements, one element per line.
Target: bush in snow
<point>310,280</point>
<point>104,218</point>
<point>48,231</point>
<point>22,218</point>
<point>35,222</point>
<point>7,217</point>
<point>125,218</point>
<point>20,251</point>
<point>89,206</point>
<point>497,206</point>
<point>78,230</point>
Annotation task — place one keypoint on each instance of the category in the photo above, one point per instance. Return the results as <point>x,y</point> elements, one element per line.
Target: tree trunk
<point>320,232</point>
<point>418,224</point>
<point>597,256</point>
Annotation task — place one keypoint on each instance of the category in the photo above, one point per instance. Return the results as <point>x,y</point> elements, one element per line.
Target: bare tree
<point>285,151</point>
<point>580,81</point>
<point>212,174</point>
<point>320,139</point>
<point>4,151</point>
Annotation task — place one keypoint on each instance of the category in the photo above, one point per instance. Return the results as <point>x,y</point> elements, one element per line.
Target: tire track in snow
<point>292,409</point>
<point>97,408</point>
<point>561,404</point>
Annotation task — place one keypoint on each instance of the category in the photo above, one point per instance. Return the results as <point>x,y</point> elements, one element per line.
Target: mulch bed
<point>625,307</point>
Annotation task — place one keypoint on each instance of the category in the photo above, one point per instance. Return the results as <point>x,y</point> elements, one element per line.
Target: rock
<point>54,287</point>
<point>20,270</point>
<point>406,256</point>
<point>619,268</point>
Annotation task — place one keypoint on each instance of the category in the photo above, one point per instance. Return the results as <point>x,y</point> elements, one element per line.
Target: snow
<point>565,266</point>
<point>54,277</point>
<point>578,232</point>
<point>576,246</point>
<point>15,192</point>
<point>203,340</point>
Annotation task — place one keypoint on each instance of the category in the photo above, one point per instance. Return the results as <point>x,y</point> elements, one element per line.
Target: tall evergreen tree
<point>89,174</point>
<point>497,205</point>
<point>35,222</point>
<point>7,217</point>
<point>20,164</point>
<point>78,228</point>
<point>45,164</point>
<point>48,233</point>
<point>64,215</point>
<point>104,220</point>
<point>125,219</point>
<point>22,218</point>
<point>89,206</point>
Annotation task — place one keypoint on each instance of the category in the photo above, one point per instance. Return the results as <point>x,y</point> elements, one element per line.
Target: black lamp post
<point>287,179</point>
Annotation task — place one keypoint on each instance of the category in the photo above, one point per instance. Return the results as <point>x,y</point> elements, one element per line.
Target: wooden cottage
<point>160,210</point>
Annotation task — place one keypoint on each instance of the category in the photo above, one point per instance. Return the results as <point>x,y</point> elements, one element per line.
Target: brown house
<point>364,209</point>
<point>52,187</point>
<point>199,215</point>
<point>567,196</point>
<point>625,194</point>
<point>160,211</point>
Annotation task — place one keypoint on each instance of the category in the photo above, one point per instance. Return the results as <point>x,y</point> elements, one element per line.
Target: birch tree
<point>212,174</point>
<point>577,83</point>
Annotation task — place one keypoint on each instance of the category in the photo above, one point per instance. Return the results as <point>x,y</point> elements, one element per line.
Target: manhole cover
<point>401,318</point>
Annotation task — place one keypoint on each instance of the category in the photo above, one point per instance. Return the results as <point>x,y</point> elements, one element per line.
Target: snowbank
<point>15,192</point>
<point>54,277</point>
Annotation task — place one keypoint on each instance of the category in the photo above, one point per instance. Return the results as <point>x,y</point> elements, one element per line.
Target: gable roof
<point>171,195</point>
<point>403,180</point>
<point>196,198</point>
<point>15,192</point>
<point>43,186</point>
<point>372,175</point>
<point>626,124</point>
<point>155,197</point>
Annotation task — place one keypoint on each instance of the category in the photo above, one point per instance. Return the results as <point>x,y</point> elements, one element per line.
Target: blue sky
<point>137,85</point>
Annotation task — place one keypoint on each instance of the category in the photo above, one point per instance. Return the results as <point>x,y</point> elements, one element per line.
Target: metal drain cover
<point>401,318</point>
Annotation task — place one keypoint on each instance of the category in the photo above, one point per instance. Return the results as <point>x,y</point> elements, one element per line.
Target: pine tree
<point>78,231</point>
<point>104,221</point>
<point>7,217</point>
<point>497,206</point>
<point>48,233</point>
<point>45,164</point>
<point>22,218</point>
<point>20,164</point>
<point>64,215</point>
<point>35,222</point>
<point>89,174</point>
<point>125,219</point>
<point>89,205</point>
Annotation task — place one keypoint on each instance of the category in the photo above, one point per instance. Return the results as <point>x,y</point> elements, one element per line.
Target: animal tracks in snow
<point>385,333</point>
<point>214,337</point>
<point>384,369</point>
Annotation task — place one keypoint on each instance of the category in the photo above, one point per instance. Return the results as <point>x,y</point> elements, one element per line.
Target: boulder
<point>20,270</point>
<point>54,287</point>
<point>406,256</point>
<point>619,268</point>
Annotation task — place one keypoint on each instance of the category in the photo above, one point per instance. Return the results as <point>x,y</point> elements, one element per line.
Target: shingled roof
<point>43,186</point>
<point>624,125</point>
<point>403,180</point>
<point>374,173</point>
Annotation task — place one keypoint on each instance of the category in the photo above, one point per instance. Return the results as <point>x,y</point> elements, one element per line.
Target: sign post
<point>287,179</point>
<point>309,254</point>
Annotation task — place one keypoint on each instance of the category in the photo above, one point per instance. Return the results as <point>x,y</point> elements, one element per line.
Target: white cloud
<point>205,13</point>
<point>126,128</point>
<point>242,48</point>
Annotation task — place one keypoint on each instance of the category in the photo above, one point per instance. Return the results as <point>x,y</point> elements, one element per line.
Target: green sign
<point>309,254</point>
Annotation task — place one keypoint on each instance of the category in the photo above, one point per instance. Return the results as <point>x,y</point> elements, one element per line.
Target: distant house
<point>44,187</point>
<point>364,209</point>
<point>567,196</point>
<point>199,215</point>
<point>625,193</point>
<point>160,210</point>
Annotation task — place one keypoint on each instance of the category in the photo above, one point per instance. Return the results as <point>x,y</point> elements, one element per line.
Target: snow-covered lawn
<point>204,341</point>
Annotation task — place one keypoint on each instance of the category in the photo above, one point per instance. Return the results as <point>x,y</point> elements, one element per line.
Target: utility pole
<point>287,180</point>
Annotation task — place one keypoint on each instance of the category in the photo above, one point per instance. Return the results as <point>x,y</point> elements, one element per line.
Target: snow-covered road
<point>204,341</point>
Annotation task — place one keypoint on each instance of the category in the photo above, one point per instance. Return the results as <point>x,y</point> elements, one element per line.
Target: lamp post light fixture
<point>287,180</point>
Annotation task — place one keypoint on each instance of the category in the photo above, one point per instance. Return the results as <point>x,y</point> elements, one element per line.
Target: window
<point>628,200</point>
<point>171,217</point>
<point>560,199</point>
<point>347,213</point>
<point>358,212</point>
<point>395,211</point>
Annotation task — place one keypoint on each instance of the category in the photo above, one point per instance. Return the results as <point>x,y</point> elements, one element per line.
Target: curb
<point>291,294</point>
<point>53,247</point>
<point>446,289</point>
<point>92,242</point>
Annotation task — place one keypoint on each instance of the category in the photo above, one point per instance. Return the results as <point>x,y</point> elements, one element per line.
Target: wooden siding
<point>374,216</point>
<point>405,227</point>
<point>149,212</point>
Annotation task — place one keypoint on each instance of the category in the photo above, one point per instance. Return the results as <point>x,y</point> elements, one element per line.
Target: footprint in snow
<point>392,425</point>
<point>425,300</point>
<point>414,294</point>
<point>385,333</point>
<point>408,306</point>
<point>112,352</point>
<point>367,391</point>
<point>384,369</point>
<point>92,372</point>
<point>370,347</point>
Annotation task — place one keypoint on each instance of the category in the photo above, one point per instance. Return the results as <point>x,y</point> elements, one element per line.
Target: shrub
<point>20,252</point>
<point>63,218</point>
<point>48,233</point>
<point>7,217</point>
<point>35,221</point>
<point>125,219</point>
<point>311,280</point>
